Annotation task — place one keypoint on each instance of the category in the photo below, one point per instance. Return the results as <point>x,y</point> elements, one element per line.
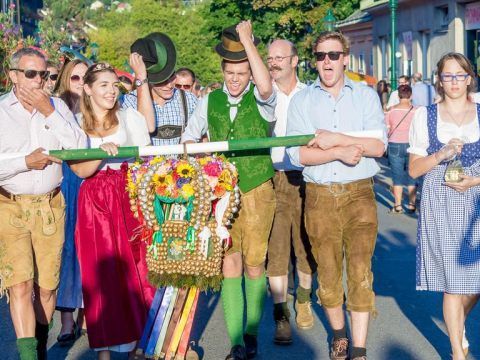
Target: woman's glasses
<point>53,77</point>
<point>75,78</point>
<point>32,74</point>
<point>451,77</point>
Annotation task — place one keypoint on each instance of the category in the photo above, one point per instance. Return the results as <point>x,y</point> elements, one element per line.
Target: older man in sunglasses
<point>31,204</point>
<point>340,207</point>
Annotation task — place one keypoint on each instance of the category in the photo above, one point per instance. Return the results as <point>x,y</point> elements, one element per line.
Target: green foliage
<point>11,41</point>
<point>117,31</point>
<point>197,29</point>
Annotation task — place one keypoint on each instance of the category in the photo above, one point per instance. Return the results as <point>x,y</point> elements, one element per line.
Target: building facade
<point>426,30</point>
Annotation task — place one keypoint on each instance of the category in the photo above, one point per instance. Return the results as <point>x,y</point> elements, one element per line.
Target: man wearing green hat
<point>242,110</point>
<point>171,107</point>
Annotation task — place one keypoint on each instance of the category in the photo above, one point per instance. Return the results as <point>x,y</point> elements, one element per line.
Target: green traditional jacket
<point>254,166</point>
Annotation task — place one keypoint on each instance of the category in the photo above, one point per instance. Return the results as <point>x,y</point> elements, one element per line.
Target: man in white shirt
<point>394,99</point>
<point>289,188</point>
<point>32,208</point>
<point>241,110</point>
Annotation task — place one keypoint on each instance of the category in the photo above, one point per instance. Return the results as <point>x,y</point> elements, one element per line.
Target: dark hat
<point>230,48</point>
<point>159,55</point>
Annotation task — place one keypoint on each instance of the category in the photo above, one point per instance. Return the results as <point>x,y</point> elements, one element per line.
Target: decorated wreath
<point>185,206</point>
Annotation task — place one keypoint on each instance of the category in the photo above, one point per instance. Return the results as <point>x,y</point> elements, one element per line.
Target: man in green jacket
<point>242,110</point>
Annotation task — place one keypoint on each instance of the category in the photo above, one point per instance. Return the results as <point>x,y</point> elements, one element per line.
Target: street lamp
<point>393,60</point>
<point>329,20</point>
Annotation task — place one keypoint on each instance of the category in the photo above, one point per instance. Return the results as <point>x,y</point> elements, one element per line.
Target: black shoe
<point>69,339</point>
<point>283,332</point>
<point>237,353</point>
<point>250,345</point>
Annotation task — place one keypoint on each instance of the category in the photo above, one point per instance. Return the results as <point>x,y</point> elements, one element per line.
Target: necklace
<point>98,135</point>
<point>453,119</point>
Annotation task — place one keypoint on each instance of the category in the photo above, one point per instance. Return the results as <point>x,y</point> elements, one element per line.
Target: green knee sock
<point>233,304</point>
<point>27,348</point>
<point>303,295</point>
<point>255,291</point>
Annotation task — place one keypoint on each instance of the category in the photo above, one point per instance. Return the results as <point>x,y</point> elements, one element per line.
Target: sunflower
<point>185,170</point>
<point>225,179</point>
<point>187,191</point>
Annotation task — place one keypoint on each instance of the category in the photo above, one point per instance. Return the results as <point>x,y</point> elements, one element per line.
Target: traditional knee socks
<point>255,291</point>
<point>358,352</point>
<point>303,295</point>
<point>27,348</point>
<point>233,304</point>
<point>340,333</point>
<point>41,334</point>
<point>280,310</point>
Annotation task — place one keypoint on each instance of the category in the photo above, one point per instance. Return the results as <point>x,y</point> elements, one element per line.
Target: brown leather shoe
<point>304,316</point>
<point>283,332</point>
<point>339,349</point>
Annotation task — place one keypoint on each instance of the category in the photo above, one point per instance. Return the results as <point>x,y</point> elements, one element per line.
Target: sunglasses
<point>75,78</point>
<point>332,55</point>
<point>53,77</point>
<point>32,74</point>
<point>183,86</point>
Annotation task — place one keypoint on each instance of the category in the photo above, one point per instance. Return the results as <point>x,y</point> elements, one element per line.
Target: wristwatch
<point>139,82</point>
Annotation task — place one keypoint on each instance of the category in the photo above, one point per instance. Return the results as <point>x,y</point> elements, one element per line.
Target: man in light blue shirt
<point>340,207</point>
<point>422,94</point>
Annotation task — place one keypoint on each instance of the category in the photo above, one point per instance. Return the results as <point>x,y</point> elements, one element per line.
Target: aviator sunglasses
<point>332,55</point>
<point>32,74</point>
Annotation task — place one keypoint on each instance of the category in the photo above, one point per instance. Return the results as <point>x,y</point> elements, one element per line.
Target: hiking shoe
<point>237,353</point>
<point>251,345</point>
<point>339,349</point>
<point>283,332</point>
<point>304,316</point>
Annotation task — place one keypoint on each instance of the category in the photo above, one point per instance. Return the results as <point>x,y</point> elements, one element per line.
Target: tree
<point>296,20</point>
<point>117,31</point>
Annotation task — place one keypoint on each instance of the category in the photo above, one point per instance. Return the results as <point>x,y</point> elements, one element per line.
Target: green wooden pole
<point>393,59</point>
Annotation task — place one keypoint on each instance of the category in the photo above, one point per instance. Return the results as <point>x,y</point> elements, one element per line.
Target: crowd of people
<point>68,236</point>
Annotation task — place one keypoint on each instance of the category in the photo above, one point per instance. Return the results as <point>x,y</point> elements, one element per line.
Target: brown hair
<point>464,63</point>
<point>62,86</point>
<point>89,117</point>
<point>404,92</point>
<point>333,35</point>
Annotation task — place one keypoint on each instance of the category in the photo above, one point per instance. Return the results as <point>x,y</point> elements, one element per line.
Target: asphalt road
<point>409,324</point>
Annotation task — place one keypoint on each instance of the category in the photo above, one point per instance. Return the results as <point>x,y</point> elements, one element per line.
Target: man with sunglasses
<point>185,79</point>
<point>340,207</point>
<point>32,208</point>
<point>171,107</point>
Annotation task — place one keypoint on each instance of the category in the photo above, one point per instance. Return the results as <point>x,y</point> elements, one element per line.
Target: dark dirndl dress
<point>69,295</point>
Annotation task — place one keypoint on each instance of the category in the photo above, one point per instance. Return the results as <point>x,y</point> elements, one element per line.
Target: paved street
<point>409,324</point>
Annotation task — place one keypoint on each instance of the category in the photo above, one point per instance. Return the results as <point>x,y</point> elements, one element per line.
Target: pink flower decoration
<point>212,169</point>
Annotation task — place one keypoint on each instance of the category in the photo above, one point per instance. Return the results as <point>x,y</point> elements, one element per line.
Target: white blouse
<point>131,131</point>
<point>418,136</point>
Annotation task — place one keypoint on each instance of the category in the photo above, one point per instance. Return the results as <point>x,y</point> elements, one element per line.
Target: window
<point>361,63</point>
<point>442,18</point>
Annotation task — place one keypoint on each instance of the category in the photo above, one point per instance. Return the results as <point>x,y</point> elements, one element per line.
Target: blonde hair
<point>464,63</point>
<point>62,86</point>
<point>333,35</point>
<point>89,117</point>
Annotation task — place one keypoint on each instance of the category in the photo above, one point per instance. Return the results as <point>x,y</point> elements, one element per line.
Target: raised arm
<point>260,73</point>
<point>144,98</point>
